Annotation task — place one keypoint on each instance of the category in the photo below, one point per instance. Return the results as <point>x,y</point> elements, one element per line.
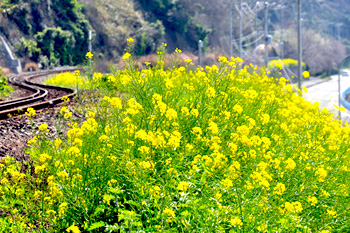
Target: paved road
<point>326,93</point>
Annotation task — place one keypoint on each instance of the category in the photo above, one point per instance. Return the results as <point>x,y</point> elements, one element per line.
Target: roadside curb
<point>316,83</point>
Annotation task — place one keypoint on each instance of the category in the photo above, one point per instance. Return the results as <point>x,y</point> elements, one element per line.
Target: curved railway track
<point>41,96</point>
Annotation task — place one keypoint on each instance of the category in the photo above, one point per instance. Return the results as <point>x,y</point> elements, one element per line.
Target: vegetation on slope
<point>114,22</point>
<point>182,29</point>
<point>51,32</point>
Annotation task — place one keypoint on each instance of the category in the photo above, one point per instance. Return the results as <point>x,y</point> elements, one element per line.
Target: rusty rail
<point>40,92</point>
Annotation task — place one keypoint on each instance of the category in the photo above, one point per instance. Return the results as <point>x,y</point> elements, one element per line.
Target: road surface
<point>326,93</point>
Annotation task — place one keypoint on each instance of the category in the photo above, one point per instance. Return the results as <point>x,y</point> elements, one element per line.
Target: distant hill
<point>55,32</point>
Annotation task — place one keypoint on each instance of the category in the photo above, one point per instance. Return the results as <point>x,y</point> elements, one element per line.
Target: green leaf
<point>96,225</point>
<point>115,190</point>
<point>98,210</point>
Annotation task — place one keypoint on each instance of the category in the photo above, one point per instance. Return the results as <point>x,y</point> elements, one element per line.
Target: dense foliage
<point>55,30</point>
<point>177,20</point>
<point>57,45</point>
<point>220,149</point>
<point>181,23</point>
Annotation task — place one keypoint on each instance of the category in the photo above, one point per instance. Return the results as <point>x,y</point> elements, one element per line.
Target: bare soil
<point>16,131</point>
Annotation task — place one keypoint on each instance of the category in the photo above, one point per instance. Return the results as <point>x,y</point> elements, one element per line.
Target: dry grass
<point>208,59</point>
<point>31,66</point>
<point>5,71</point>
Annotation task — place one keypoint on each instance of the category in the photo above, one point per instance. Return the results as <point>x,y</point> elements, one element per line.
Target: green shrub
<point>28,48</point>
<point>56,43</point>
<point>176,18</point>
<point>4,88</point>
<point>70,18</point>
<point>20,16</point>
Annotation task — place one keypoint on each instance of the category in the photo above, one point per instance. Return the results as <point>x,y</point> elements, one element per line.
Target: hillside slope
<point>55,32</point>
<point>51,32</point>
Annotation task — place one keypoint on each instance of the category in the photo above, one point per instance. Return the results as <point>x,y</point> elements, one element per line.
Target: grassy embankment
<point>219,149</point>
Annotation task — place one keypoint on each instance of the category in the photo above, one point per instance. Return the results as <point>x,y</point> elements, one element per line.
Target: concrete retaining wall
<point>13,64</point>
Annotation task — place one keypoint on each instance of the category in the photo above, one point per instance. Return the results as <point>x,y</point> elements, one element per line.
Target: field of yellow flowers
<point>220,149</point>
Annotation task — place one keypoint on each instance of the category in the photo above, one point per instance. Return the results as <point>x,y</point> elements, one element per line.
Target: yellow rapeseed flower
<point>183,186</point>
<point>279,189</point>
<point>30,112</point>
<point>51,212</point>
<point>169,212</point>
<point>306,74</point>
<point>227,183</point>
<point>89,55</point>
<point>290,164</point>
<point>144,150</point>
<point>312,200</point>
<point>185,111</point>
<point>237,108</point>
<point>67,115</point>
<point>97,76</point>
<point>178,50</point>
<point>44,157</point>
<point>332,213</point>
<point>210,92</point>
<point>236,221</point>
<point>73,229</point>
<point>146,164</point>
<point>43,127</point>
<point>171,114</point>
<point>126,56</point>
<point>321,173</point>
<point>195,112</point>
<point>65,98</point>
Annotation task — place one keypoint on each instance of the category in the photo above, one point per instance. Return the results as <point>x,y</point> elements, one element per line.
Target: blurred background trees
<point>56,31</point>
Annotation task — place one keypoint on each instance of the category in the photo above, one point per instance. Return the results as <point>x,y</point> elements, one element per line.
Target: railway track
<point>41,96</point>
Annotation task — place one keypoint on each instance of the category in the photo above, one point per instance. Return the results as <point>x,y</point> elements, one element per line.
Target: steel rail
<point>41,93</point>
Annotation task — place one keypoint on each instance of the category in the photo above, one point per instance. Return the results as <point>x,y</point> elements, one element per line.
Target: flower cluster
<point>220,149</point>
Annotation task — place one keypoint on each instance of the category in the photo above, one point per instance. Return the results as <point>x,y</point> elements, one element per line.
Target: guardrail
<point>345,103</point>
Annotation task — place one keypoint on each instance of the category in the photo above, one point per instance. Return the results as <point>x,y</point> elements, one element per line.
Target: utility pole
<point>299,46</point>
<point>90,50</point>
<point>90,38</point>
<point>200,46</point>
<point>331,28</point>
<point>325,22</point>
<point>323,30</point>
<point>338,28</point>
<point>231,51</point>
<point>256,31</point>
<point>282,26</point>
<point>339,98</point>
<point>266,34</point>
<point>240,28</point>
